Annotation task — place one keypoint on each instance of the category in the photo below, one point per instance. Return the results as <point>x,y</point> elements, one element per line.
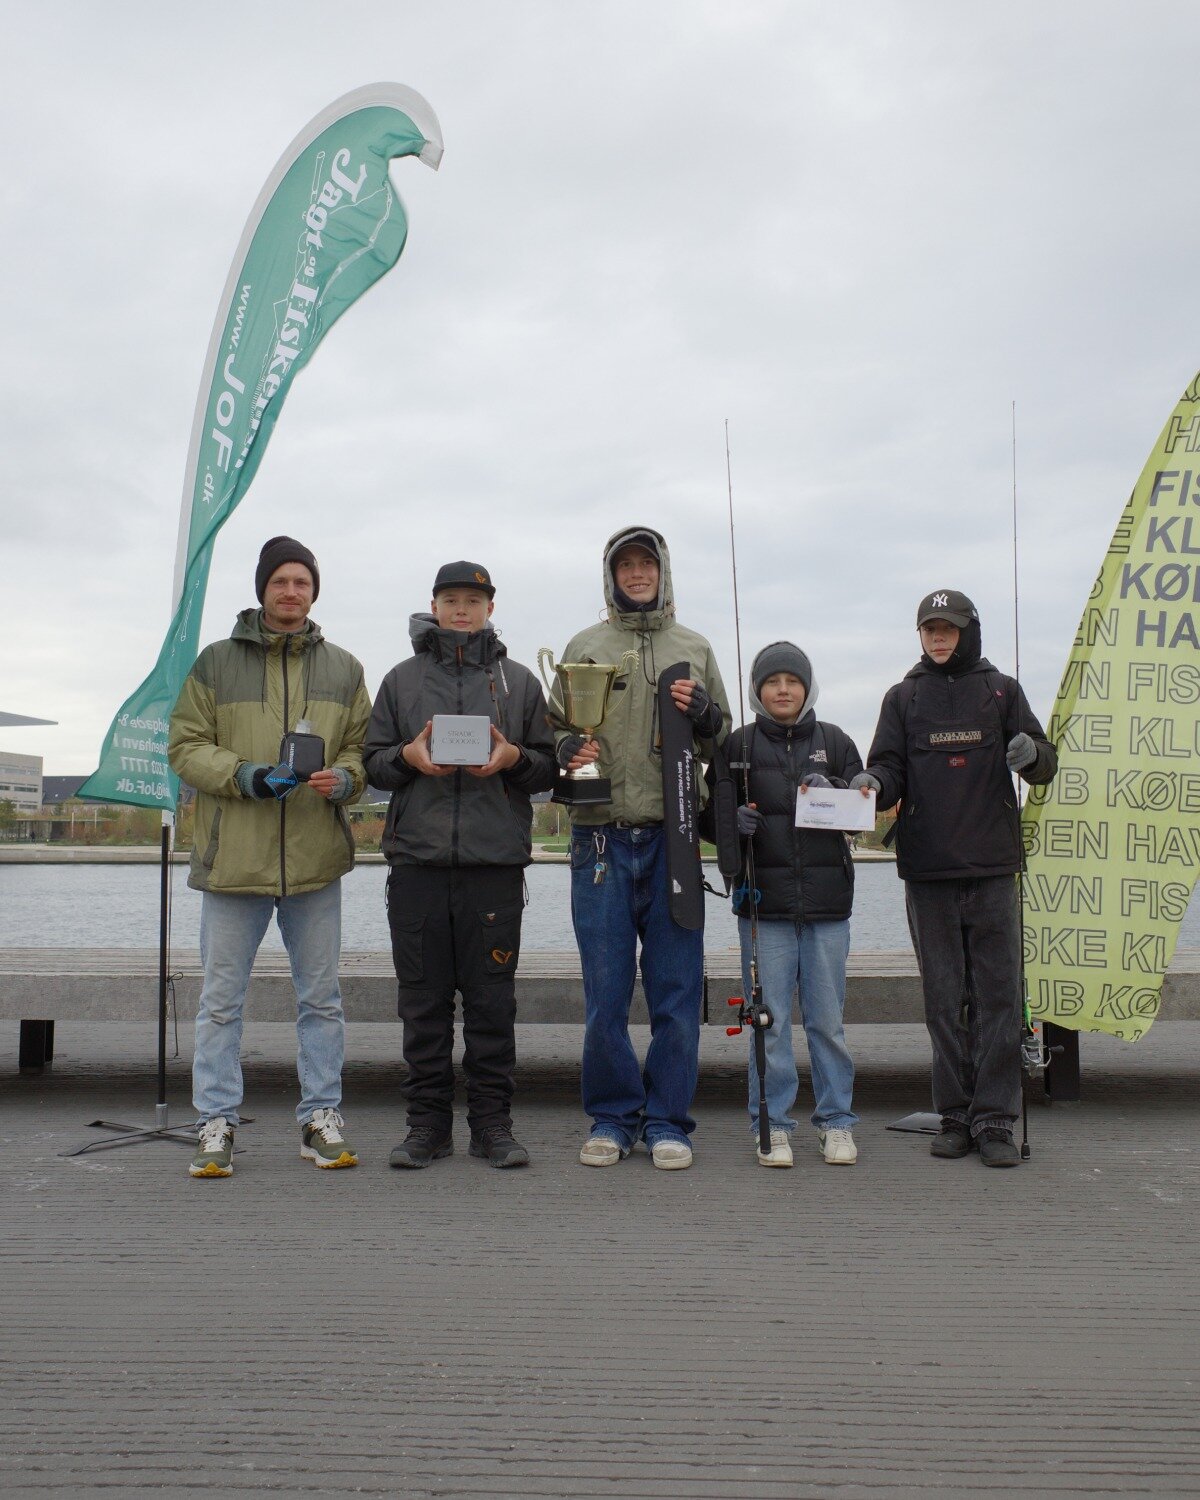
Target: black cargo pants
<point>457,929</point>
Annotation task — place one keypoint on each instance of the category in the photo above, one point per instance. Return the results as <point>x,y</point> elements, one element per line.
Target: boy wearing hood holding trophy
<point>620,895</point>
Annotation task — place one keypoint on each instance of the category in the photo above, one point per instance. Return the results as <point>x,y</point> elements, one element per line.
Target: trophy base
<point>590,791</point>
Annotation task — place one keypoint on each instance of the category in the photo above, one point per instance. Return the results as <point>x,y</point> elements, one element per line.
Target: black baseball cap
<point>464,575</point>
<point>946,604</point>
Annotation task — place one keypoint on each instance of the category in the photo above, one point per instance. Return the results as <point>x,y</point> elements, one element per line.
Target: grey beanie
<point>780,656</point>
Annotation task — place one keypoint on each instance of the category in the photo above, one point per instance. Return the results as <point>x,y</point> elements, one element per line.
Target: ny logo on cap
<point>940,601</point>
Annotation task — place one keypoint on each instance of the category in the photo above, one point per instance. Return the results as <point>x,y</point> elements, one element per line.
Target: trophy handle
<point>545,655</point>
<point>631,657</point>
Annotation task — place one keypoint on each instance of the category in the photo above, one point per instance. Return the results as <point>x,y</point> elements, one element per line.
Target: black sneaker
<point>997,1148</point>
<point>422,1145</point>
<point>497,1145</point>
<point>953,1140</point>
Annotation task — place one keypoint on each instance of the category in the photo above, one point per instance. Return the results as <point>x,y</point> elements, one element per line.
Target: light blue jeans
<point>231,928</point>
<point>813,958</point>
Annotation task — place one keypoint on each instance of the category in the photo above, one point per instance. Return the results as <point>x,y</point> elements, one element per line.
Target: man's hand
<point>690,698</point>
<point>416,755</point>
<point>814,780</point>
<point>252,781</point>
<point>574,752</point>
<point>504,756</point>
<point>333,783</point>
<point>749,820</point>
<point>1021,752</point>
<point>864,782</point>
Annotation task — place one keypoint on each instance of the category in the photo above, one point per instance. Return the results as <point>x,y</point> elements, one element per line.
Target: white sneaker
<point>600,1151</point>
<point>838,1147</point>
<point>780,1154</point>
<point>671,1156</point>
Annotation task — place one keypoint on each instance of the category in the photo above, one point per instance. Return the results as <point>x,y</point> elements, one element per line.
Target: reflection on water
<point>116,906</point>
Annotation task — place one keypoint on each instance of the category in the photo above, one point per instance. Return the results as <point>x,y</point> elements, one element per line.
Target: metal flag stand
<point>132,1135</point>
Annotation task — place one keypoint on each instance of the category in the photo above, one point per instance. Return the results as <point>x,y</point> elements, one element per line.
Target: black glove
<point>252,781</point>
<point>568,748</point>
<point>749,820</point>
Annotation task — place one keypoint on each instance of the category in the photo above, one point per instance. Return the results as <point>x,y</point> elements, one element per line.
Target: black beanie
<point>276,552</point>
<point>780,656</point>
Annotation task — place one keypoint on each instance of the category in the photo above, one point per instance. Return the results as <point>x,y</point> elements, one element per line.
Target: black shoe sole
<point>438,1152</point>
<point>1008,1161</point>
<point>518,1158</point>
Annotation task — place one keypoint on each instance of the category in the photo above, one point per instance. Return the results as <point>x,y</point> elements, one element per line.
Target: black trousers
<point>967,937</point>
<point>457,929</point>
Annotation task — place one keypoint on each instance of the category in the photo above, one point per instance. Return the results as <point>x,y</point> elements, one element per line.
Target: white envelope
<point>830,807</point>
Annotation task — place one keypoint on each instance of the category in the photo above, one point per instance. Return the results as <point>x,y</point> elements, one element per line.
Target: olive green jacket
<point>237,703</point>
<point>629,739</point>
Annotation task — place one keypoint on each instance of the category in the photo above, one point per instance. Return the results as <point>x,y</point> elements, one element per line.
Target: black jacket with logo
<point>939,751</point>
<point>459,819</point>
<point>802,874</point>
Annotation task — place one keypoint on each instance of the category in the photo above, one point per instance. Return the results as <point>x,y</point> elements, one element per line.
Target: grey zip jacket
<point>629,739</point>
<point>459,819</point>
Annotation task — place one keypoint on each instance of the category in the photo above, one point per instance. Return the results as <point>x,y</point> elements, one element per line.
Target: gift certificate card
<point>829,807</point>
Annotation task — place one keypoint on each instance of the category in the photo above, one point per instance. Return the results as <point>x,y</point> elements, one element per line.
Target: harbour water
<point>116,906</point>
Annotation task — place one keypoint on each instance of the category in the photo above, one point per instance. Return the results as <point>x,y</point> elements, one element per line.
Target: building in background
<point>21,781</point>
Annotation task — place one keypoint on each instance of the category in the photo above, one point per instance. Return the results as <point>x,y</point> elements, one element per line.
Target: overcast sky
<point>860,233</point>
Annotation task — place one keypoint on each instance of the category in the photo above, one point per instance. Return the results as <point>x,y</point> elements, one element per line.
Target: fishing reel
<point>1036,1057</point>
<point>752,1013</point>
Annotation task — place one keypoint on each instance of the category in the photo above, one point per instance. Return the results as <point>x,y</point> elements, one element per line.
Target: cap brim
<point>962,621</point>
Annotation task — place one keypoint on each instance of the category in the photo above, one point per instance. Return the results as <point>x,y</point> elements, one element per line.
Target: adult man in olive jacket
<point>949,738</point>
<point>619,888</point>
<point>254,854</point>
<point>457,841</point>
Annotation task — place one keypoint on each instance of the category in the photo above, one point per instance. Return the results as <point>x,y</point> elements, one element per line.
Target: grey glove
<point>568,748</point>
<point>865,779</point>
<point>252,781</point>
<point>1021,753</point>
<point>345,785</point>
<point>817,780</point>
<point>749,820</point>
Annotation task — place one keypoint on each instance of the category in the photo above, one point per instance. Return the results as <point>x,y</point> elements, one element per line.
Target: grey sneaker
<point>601,1151</point>
<point>322,1141</point>
<point>671,1156</point>
<point>837,1147</point>
<point>215,1155</point>
<point>780,1154</point>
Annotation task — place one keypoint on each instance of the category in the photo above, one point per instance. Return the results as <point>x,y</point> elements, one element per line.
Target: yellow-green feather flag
<point>1113,843</point>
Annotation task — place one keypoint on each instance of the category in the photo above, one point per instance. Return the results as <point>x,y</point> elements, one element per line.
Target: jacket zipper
<point>458,658</point>
<point>797,866</point>
<point>283,804</point>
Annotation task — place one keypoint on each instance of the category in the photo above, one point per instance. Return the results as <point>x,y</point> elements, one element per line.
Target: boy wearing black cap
<point>803,889</point>
<point>949,737</point>
<point>457,840</point>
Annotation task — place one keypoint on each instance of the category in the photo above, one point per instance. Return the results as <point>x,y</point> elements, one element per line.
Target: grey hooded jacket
<point>629,739</point>
<point>459,819</point>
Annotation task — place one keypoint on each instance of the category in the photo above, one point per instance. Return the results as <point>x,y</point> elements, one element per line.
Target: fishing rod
<point>1034,1055</point>
<point>752,1010</point>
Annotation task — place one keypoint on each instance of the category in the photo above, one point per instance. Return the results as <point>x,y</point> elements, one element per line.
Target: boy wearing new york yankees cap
<point>949,738</point>
<point>457,843</point>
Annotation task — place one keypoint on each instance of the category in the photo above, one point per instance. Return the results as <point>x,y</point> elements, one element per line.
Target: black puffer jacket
<point>939,750</point>
<point>459,819</point>
<point>803,874</point>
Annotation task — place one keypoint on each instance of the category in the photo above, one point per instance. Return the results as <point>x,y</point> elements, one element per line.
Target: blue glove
<point>345,785</point>
<point>252,781</point>
<point>1021,753</point>
<point>817,780</point>
<point>749,820</point>
<point>865,779</point>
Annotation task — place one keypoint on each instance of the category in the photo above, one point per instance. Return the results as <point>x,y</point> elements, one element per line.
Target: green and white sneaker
<point>322,1141</point>
<point>215,1156</point>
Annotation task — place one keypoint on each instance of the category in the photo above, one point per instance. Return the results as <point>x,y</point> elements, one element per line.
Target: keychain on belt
<point>601,868</point>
